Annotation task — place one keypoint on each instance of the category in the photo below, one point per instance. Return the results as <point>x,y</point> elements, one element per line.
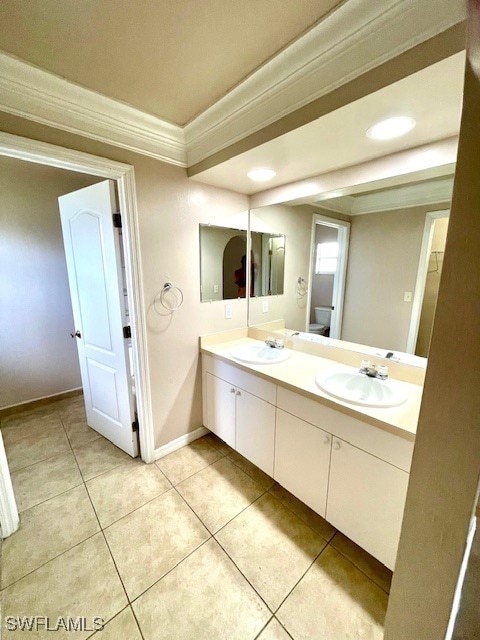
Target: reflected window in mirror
<point>223,263</point>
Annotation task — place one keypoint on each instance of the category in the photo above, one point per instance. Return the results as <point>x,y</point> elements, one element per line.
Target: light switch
<point>265,306</point>
<point>228,312</point>
<point>407,296</point>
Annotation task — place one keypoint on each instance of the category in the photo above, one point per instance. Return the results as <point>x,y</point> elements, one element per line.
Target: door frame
<point>338,295</point>
<point>421,280</point>
<point>70,159</point>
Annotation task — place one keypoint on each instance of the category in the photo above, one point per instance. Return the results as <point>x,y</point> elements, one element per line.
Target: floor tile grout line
<point>56,455</point>
<point>359,568</point>
<point>239,513</point>
<point>75,486</point>
<point>59,555</point>
<point>191,475</point>
<point>263,628</point>
<point>269,608</point>
<point>283,627</point>
<point>104,528</point>
<point>113,618</point>
<point>327,540</point>
<point>115,565</point>
<point>137,621</point>
<point>210,537</point>
<point>301,578</point>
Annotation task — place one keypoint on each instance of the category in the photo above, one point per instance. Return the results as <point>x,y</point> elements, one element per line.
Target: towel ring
<point>168,287</point>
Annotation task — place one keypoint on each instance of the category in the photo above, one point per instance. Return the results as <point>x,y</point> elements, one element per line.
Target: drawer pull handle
<point>336,445</point>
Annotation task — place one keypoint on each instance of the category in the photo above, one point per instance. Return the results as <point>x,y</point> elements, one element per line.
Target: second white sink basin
<point>358,388</point>
<point>259,354</point>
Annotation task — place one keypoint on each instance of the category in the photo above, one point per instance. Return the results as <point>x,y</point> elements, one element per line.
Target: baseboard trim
<point>28,405</point>
<point>180,442</point>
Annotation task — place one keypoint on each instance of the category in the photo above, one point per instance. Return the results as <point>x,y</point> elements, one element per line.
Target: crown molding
<point>38,95</point>
<point>352,40</point>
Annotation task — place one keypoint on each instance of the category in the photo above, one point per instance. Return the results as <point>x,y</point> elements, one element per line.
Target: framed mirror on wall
<point>363,265</point>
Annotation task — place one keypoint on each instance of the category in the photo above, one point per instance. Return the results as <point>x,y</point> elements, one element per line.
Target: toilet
<point>321,326</point>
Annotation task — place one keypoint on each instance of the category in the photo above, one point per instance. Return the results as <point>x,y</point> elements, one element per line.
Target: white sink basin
<point>358,388</point>
<point>259,354</point>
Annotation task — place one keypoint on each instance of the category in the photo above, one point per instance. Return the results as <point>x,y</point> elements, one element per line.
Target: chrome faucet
<point>274,343</point>
<point>373,371</point>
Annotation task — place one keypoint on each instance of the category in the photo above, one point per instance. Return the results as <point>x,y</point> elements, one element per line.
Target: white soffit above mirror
<point>432,96</point>
<point>428,192</point>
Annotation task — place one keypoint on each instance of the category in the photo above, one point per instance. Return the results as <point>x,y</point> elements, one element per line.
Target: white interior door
<point>93,254</point>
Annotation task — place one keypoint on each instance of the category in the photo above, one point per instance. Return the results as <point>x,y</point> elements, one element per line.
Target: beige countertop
<point>298,374</point>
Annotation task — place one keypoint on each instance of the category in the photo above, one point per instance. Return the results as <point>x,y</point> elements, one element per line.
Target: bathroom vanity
<point>349,463</point>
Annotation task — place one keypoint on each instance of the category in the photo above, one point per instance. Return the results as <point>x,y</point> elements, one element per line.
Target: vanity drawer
<point>239,378</point>
<point>386,446</point>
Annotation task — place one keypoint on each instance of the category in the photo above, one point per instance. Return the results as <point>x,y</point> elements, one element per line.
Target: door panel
<point>93,255</point>
<point>221,409</point>
<point>302,460</point>
<point>255,434</point>
<point>366,499</point>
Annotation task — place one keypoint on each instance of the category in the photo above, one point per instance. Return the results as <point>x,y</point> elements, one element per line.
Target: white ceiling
<point>169,58</point>
<point>432,96</point>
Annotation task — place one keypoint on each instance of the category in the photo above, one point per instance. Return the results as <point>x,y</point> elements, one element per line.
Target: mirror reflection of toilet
<point>321,326</point>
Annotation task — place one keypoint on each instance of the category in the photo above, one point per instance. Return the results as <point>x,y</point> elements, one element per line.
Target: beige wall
<point>38,356</point>
<point>296,224</point>
<point>170,209</point>
<point>382,265</point>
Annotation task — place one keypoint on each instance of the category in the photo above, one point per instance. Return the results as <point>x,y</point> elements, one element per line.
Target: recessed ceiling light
<point>261,175</point>
<point>391,128</point>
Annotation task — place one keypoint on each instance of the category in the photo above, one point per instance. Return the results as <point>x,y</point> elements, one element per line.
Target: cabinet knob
<point>232,390</point>
<point>238,393</point>
<point>336,445</point>
<point>326,440</point>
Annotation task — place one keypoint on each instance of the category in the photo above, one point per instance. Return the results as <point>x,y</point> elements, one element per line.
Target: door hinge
<point>135,425</point>
<point>127,332</point>
<point>117,220</point>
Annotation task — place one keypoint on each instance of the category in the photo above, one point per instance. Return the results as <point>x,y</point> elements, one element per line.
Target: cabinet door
<point>255,437</point>
<point>302,460</point>
<point>221,409</point>
<point>366,499</point>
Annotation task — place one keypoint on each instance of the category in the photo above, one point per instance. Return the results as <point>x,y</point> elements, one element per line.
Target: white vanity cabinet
<point>302,460</point>
<point>366,499</point>
<point>350,472</point>
<point>367,477</point>
<point>240,409</point>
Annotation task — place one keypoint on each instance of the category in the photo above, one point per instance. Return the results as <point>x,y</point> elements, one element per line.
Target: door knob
<point>326,440</point>
<point>336,445</point>
<point>76,334</point>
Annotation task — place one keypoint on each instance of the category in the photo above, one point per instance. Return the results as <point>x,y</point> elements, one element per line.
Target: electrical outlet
<point>265,306</point>
<point>228,312</point>
<point>407,296</point>
<point>215,288</point>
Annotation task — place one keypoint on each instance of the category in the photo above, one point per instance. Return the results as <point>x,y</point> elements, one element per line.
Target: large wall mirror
<point>363,266</point>
<point>223,263</point>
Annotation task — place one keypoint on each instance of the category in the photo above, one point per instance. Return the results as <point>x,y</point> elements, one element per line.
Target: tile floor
<point>200,545</point>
